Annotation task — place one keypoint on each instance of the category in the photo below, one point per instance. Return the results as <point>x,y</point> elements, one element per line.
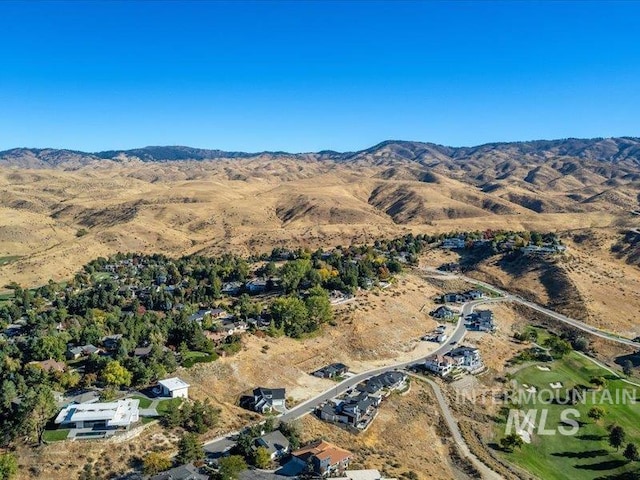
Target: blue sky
<point>306,76</point>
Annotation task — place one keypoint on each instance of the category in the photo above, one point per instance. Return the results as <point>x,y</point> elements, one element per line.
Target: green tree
<point>557,346</point>
<point>318,306</point>
<point>231,466</point>
<point>155,462</point>
<point>616,436</point>
<point>596,413</point>
<point>49,346</point>
<point>36,408</point>
<point>631,452</point>
<point>511,441</point>
<point>189,449</point>
<point>115,374</point>
<point>8,466</point>
<point>292,273</point>
<point>627,368</point>
<point>261,458</point>
<point>290,313</point>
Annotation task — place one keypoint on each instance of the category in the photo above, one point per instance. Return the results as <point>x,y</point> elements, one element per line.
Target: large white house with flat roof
<point>118,415</point>
<point>174,387</point>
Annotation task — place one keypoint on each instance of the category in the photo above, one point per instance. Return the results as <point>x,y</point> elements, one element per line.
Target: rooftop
<point>323,450</point>
<point>119,413</point>
<point>173,383</point>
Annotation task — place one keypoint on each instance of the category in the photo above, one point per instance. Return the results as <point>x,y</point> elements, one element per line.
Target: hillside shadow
<point>587,454</point>
<point>635,475</point>
<point>608,465</point>
<point>634,358</point>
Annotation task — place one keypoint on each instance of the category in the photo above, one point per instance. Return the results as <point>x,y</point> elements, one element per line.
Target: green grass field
<point>144,402</point>
<point>587,454</point>
<point>55,435</point>
<point>163,406</point>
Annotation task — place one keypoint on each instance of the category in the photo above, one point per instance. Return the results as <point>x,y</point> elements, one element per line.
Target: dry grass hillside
<point>254,203</point>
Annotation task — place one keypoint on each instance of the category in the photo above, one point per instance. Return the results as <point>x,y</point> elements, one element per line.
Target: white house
<point>117,415</point>
<point>440,365</point>
<point>466,357</point>
<point>174,388</point>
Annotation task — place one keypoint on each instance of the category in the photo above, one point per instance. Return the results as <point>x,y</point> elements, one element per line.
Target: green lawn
<point>144,402</point>
<point>100,276</point>
<point>163,406</point>
<point>587,454</point>
<point>193,354</point>
<point>55,435</point>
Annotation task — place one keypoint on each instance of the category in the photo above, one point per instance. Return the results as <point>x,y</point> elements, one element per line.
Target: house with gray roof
<point>276,444</point>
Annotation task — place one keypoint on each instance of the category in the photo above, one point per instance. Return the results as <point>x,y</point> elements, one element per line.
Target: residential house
<point>324,458</point>
<point>450,267</point>
<point>82,351</point>
<point>332,371</point>
<point>329,413</point>
<point>387,381</point>
<point>256,285</point>
<point>474,294</point>
<point>232,288</point>
<point>453,243</point>
<point>100,417</point>
<point>444,313</point>
<point>218,313</point>
<point>232,326</point>
<point>13,330</point>
<point>174,387</point>
<point>276,444</point>
<point>466,357</point>
<point>481,321</point>
<point>111,342</point>
<point>359,411</point>
<point>440,364</point>
<point>269,399</point>
<point>199,315</point>
<point>452,298</point>
<point>216,336</point>
<point>50,365</point>
<point>142,352</point>
<point>182,472</point>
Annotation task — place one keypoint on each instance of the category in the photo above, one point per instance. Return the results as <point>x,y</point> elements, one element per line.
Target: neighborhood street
<point>558,316</point>
<point>221,444</point>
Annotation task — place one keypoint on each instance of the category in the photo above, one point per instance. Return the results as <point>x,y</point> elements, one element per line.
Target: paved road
<point>484,470</point>
<point>220,444</point>
<point>558,316</point>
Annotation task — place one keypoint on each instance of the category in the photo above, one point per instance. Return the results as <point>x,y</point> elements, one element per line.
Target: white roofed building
<point>174,388</point>
<point>118,415</point>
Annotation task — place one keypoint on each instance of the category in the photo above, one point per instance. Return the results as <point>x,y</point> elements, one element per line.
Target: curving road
<point>534,306</point>
<point>224,443</point>
<point>484,470</point>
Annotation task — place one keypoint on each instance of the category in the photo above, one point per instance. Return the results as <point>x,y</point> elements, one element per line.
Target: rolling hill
<point>60,208</point>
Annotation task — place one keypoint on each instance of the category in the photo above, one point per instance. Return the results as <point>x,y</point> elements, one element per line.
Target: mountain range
<point>59,208</point>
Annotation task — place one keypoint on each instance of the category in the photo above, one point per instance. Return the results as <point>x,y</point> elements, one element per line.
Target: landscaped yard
<point>587,454</point>
<point>163,405</point>
<point>55,435</point>
<point>144,402</point>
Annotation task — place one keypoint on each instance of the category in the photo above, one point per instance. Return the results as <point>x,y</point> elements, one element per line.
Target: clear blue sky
<point>305,76</point>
